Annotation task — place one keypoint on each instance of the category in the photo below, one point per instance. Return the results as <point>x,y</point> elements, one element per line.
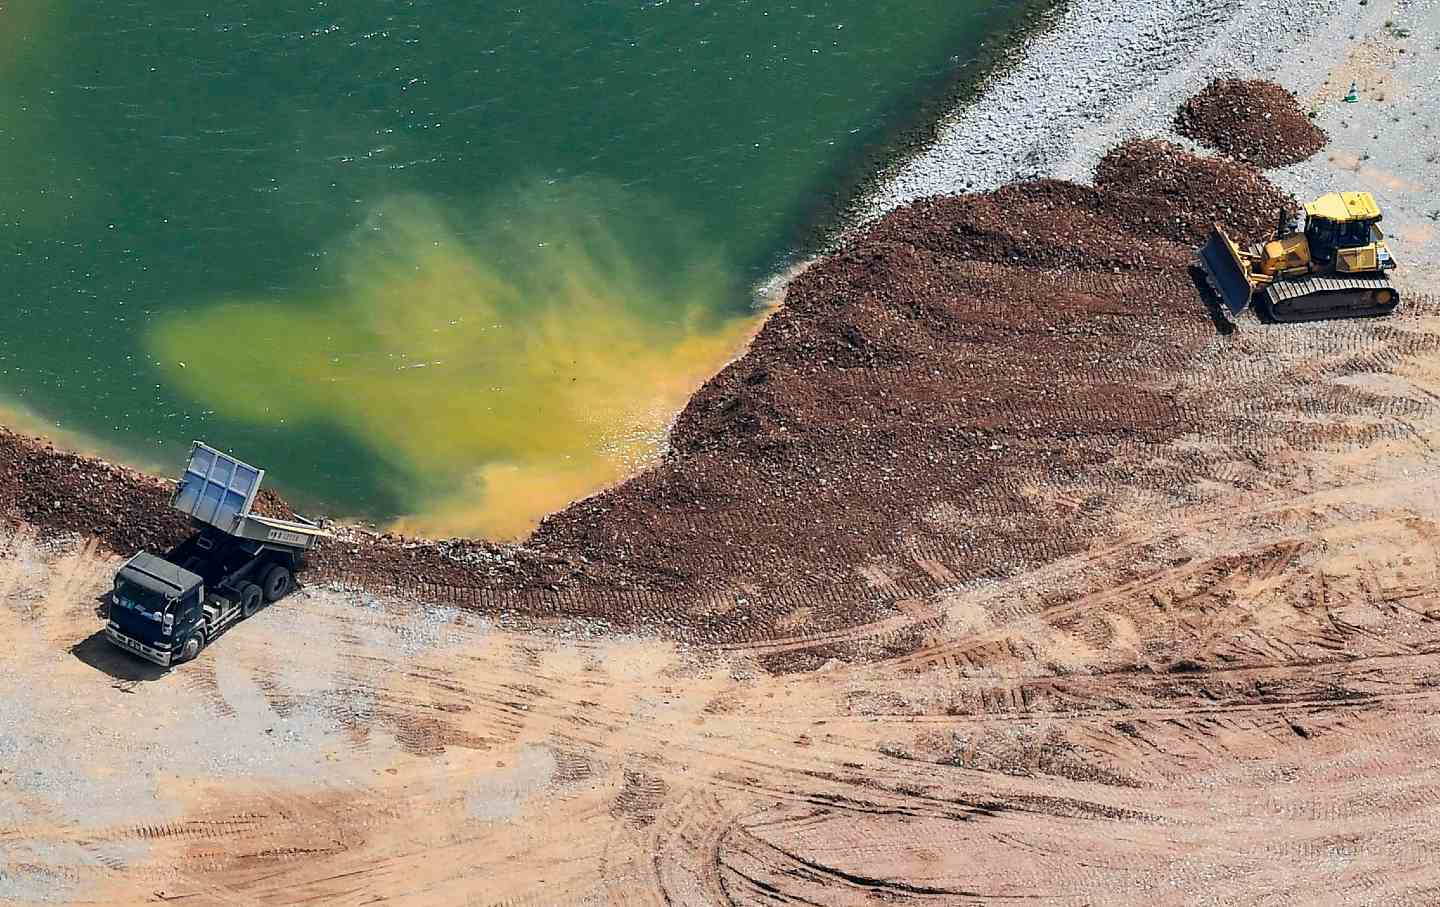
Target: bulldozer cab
<point>1341,230</point>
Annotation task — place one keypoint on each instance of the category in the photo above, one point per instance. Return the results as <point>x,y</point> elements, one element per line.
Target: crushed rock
<point>1251,120</point>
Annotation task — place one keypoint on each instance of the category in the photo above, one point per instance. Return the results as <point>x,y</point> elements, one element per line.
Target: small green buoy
<point>1353,94</point>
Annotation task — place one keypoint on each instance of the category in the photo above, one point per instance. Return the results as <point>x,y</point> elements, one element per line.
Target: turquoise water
<point>401,252</point>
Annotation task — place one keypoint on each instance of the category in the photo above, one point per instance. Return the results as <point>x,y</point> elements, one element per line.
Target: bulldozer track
<point>1329,297</point>
<point>1290,706</point>
<point>1181,528</point>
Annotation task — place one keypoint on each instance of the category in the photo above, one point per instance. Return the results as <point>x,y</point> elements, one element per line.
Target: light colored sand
<point>339,747</point>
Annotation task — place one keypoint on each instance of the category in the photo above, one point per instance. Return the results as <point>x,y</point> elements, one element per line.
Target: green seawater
<point>457,261</point>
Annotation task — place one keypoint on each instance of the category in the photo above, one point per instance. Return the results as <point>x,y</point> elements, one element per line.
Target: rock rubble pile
<point>1250,120</point>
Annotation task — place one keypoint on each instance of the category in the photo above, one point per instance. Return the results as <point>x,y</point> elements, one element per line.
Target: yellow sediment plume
<point>504,371</point>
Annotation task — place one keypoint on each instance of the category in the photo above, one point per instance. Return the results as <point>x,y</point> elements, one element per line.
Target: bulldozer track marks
<point>1303,368</point>
<point>1076,565</point>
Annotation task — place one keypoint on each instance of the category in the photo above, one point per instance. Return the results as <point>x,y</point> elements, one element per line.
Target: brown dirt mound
<point>904,397</point>
<point>58,490</point>
<point>894,427</point>
<point>268,503</point>
<point>1200,191</point>
<point>1251,120</point>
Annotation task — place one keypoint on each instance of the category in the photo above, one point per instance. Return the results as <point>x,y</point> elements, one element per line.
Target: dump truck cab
<point>166,609</point>
<point>154,604</point>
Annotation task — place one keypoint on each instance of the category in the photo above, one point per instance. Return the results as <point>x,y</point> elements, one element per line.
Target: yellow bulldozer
<point>1337,267</point>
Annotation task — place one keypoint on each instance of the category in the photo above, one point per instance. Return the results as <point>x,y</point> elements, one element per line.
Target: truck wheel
<point>192,645</point>
<point>276,583</point>
<point>250,599</point>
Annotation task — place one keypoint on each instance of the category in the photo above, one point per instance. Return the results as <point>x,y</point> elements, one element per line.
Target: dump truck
<point>1336,267</point>
<point>165,609</point>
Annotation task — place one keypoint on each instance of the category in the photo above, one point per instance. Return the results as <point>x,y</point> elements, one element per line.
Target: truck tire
<point>251,599</point>
<point>276,583</point>
<point>192,645</point>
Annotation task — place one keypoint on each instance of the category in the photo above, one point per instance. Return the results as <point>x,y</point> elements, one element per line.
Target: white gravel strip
<point>1107,70</point>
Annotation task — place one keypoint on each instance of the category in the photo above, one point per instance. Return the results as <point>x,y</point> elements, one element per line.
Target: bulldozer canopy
<point>1344,206</point>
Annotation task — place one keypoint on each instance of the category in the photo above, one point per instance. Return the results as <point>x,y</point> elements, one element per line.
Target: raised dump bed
<point>166,609</point>
<point>218,490</point>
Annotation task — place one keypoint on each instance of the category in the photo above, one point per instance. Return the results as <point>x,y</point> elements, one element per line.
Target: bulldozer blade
<point>1226,275</point>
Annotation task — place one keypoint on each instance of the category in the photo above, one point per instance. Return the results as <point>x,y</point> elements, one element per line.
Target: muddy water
<point>556,371</point>
<point>457,263</point>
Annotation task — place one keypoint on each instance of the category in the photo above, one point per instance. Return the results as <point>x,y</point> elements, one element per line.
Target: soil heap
<point>1250,120</point>
<point>917,389</point>
<point>54,489</point>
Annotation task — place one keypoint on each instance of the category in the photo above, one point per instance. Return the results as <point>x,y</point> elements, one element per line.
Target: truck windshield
<point>136,598</point>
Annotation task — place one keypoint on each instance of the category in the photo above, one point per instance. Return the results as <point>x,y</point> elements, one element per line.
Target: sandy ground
<point>1228,703</point>
<point>1229,698</point>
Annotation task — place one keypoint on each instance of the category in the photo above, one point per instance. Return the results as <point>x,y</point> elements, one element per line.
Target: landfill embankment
<point>912,398</point>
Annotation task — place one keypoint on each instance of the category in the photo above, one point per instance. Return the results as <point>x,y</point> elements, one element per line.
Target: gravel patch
<point>1106,72</point>
<point>1388,141</point>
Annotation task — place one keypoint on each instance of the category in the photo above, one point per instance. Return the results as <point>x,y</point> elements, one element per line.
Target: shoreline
<point>1057,111</point>
<point>990,551</point>
<point>915,128</point>
<point>1059,107</point>
<point>20,420</point>
<point>1056,108</point>
<point>826,224</point>
<point>1034,114</point>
